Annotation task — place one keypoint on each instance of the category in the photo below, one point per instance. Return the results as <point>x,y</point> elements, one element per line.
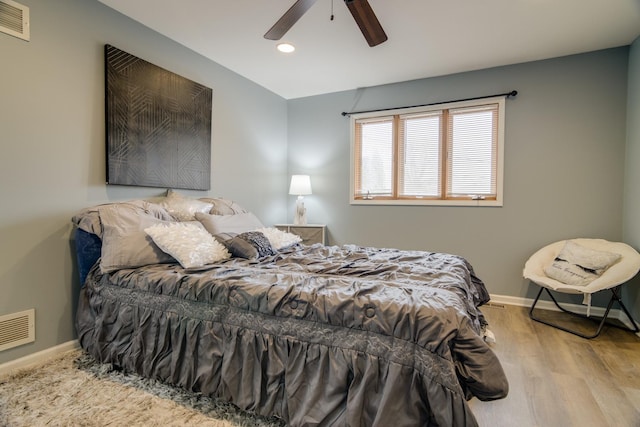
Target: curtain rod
<point>506,95</point>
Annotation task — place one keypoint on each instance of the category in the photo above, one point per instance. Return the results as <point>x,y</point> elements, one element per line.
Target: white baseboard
<point>549,305</point>
<point>36,358</point>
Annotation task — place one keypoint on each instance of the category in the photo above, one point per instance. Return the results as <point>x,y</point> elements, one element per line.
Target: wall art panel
<point>158,125</point>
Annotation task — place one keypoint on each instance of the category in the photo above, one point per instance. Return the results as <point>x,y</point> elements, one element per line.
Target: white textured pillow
<point>279,239</point>
<point>184,208</point>
<point>578,265</point>
<point>189,243</point>
<point>223,206</point>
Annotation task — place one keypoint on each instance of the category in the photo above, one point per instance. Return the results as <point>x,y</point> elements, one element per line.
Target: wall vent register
<point>17,329</point>
<point>14,19</point>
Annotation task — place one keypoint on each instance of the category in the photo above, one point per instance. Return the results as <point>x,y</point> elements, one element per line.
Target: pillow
<point>184,208</point>
<point>280,239</point>
<point>188,242</point>
<point>216,224</point>
<point>124,242</point>
<point>249,245</point>
<point>578,265</point>
<point>223,206</point>
<point>88,219</point>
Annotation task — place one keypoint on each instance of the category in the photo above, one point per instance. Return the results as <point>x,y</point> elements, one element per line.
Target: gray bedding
<point>316,335</point>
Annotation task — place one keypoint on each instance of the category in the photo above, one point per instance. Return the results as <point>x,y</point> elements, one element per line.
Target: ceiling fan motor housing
<point>361,11</point>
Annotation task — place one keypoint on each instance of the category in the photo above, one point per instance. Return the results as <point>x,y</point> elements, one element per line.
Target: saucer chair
<point>608,266</point>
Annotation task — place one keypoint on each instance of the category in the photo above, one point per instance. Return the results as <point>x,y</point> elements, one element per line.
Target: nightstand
<point>310,233</point>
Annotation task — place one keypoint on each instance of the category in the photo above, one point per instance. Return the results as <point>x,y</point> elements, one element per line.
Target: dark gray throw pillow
<point>249,245</point>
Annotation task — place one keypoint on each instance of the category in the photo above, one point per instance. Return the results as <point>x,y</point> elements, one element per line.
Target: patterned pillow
<point>188,242</point>
<point>249,245</point>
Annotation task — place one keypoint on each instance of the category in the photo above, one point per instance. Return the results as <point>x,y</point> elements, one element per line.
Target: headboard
<point>88,249</point>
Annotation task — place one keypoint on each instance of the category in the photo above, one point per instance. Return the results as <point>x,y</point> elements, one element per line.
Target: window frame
<point>457,201</point>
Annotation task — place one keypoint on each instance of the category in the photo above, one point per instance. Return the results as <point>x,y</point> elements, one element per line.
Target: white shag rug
<point>75,390</point>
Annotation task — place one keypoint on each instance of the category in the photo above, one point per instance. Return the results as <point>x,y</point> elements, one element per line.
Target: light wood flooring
<point>559,379</point>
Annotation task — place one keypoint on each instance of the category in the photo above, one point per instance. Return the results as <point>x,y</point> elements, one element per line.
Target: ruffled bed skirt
<point>304,374</point>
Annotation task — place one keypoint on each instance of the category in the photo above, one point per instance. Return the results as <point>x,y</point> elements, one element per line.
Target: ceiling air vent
<point>14,19</point>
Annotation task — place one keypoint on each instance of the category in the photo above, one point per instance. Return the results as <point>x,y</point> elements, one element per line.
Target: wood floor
<point>558,379</point>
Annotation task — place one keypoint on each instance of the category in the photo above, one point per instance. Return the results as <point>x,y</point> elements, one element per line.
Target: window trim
<point>498,201</point>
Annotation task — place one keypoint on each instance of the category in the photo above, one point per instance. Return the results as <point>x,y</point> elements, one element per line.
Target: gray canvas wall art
<point>158,125</point>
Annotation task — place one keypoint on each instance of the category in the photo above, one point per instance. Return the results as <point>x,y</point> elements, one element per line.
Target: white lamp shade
<point>300,185</point>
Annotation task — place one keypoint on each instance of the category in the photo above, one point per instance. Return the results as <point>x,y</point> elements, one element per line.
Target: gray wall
<point>565,147</point>
<point>564,158</point>
<point>631,294</point>
<point>52,138</point>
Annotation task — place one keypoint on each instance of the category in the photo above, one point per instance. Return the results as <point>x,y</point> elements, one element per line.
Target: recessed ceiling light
<point>286,47</point>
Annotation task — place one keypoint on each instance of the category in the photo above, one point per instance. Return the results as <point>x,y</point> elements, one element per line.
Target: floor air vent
<point>17,329</point>
<point>14,19</point>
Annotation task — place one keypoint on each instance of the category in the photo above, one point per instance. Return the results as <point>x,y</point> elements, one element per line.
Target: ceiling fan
<point>360,9</point>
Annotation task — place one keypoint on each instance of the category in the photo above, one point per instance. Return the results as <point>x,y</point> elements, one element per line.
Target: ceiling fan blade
<point>367,21</point>
<point>289,18</point>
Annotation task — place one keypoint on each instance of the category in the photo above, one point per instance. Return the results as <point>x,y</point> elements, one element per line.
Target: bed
<point>315,335</point>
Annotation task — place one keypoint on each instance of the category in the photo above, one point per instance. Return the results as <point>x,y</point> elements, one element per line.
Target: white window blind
<point>376,157</point>
<point>420,154</point>
<point>472,152</point>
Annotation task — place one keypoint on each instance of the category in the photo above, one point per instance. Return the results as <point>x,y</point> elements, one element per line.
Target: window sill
<point>425,202</point>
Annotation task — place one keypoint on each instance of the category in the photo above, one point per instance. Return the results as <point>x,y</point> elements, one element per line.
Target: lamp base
<point>300,218</point>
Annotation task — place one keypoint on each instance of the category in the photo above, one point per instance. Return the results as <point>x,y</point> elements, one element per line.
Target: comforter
<point>316,335</point>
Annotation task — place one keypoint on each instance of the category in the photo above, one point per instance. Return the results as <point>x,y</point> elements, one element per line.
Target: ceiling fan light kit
<point>286,47</point>
<point>361,11</point>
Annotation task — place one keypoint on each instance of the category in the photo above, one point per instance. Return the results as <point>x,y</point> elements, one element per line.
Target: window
<point>446,154</point>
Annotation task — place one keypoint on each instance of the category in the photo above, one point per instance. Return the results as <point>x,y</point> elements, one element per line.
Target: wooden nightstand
<point>310,233</point>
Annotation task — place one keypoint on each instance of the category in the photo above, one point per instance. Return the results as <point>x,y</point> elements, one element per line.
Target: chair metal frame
<point>615,296</point>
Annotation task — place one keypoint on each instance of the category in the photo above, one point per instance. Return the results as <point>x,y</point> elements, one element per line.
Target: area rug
<point>75,390</point>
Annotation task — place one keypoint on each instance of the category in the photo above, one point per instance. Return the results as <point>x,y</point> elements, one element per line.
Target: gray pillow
<point>216,224</point>
<point>124,241</point>
<point>88,219</point>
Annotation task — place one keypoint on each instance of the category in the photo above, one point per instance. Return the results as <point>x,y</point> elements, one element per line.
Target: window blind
<point>419,154</point>
<point>376,166</point>
<point>472,149</point>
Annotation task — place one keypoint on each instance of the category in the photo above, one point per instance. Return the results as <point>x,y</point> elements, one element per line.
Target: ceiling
<point>426,37</point>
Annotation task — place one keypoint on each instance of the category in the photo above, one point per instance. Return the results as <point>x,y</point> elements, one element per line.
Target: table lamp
<point>300,186</point>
